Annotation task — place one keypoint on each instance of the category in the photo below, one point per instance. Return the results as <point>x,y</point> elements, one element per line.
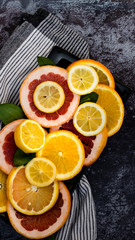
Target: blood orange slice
<point>93,145</point>
<point>36,77</point>
<point>44,225</point>
<point>8,146</point>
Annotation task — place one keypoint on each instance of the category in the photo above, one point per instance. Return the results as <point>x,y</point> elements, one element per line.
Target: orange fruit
<point>3,196</point>
<point>40,172</point>
<point>105,76</point>
<point>29,136</point>
<point>8,146</point>
<point>44,225</point>
<point>27,198</point>
<point>66,151</point>
<point>110,100</point>
<point>93,145</point>
<point>38,76</point>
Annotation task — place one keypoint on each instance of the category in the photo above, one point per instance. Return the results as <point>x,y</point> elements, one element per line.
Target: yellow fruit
<point>27,198</point>
<point>105,76</point>
<point>48,96</point>
<point>89,119</point>
<point>40,172</point>
<point>29,136</point>
<point>66,151</point>
<point>3,197</point>
<point>82,79</point>
<point>110,100</point>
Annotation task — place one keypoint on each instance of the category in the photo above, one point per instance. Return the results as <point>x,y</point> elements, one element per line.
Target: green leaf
<point>21,158</point>
<point>10,112</point>
<point>42,61</point>
<point>91,97</point>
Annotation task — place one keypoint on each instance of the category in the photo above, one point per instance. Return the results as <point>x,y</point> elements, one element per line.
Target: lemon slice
<point>89,119</point>
<point>82,79</point>
<point>66,151</point>
<point>27,198</point>
<point>29,136</point>
<point>49,96</point>
<point>40,172</point>
<point>105,76</point>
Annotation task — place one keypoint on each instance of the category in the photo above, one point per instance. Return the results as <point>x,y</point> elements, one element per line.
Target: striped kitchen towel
<point>36,37</point>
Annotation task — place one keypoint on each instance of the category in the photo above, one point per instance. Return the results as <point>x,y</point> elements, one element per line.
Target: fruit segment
<point>30,199</point>
<point>110,100</point>
<point>89,119</point>
<point>3,196</point>
<point>105,76</point>
<point>66,151</point>
<point>29,136</point>
<point>40,172</point>
<point>49,96</point>
<point>38,76</point>
<point>44,225</point>
<point>82,79</point>
<point>8,146</point>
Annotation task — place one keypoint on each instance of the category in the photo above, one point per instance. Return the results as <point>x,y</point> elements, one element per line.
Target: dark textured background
<point>109,27</point>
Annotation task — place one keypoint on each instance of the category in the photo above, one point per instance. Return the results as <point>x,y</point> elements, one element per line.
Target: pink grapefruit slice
<point>93,145</point>
<point>8,146</point>
<point>36,77</point>
<point>44,225</point>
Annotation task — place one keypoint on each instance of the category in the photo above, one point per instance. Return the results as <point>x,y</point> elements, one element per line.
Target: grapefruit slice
<point>44,225</point>
<point>8,146</point>
<point>36,77</point>
<point>93,145</point>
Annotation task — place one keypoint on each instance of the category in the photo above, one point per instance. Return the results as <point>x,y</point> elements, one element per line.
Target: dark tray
<point>63,58</point>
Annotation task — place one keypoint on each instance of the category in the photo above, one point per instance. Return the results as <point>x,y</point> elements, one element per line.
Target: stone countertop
<point>109,27</point>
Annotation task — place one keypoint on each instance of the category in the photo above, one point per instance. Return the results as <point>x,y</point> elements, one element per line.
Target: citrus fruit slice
<point>29,136</point>
<point>82,79</point>
<point>89,119</point>
<point>27,198</point>
<point>44,225</point>
<point>40,172</point>
<point>8,146</point>
<point>3,196</point>
<point>39,75</point>
<point>105,76</point>
<point>110,100</point>
<point>48,96</point>
<point>93,145</point>
<point>66,151</point>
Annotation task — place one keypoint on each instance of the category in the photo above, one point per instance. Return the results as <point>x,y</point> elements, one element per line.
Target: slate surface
<point>109,27</point>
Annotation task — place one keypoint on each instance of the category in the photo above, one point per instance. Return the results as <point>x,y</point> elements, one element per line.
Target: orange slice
<point>110,100</point>
<point>93,145</point>
<point>27,198</point>
<point>40,172</point>
<point>29,136</point>
<point>66,151</point>
<point>3,197</point>
<point>44,225</point>
<point>105,76</point>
